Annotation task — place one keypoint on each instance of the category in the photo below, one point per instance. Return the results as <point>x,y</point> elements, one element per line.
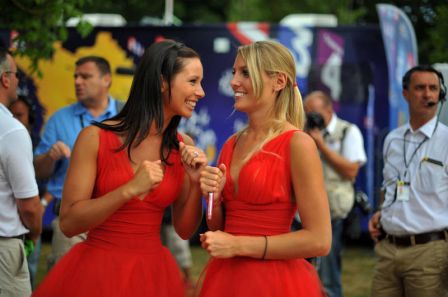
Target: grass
<point>357,269</point>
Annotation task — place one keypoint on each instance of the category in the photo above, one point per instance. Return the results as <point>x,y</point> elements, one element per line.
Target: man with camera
<point>411,228</point>
<point>342,153</point>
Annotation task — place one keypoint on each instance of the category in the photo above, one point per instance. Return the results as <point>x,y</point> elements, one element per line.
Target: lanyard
<point>406,164</point>
<point>81,120</point>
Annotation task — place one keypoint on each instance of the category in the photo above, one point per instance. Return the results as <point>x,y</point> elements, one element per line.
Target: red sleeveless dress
<point>123,256</point>
<point>262,206</point>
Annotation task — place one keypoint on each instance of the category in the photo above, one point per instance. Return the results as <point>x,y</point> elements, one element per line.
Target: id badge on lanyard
<point>402,190</point>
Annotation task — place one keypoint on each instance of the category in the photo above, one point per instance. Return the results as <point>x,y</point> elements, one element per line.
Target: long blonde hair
<point>271,58</point>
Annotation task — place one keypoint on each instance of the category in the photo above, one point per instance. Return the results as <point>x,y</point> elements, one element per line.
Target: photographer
<point>342,153</point>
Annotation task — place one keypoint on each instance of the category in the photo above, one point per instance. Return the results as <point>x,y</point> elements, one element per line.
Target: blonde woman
<point>266,172</point>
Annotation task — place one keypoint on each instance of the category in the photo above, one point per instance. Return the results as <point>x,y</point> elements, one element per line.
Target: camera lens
<point>314,120</point>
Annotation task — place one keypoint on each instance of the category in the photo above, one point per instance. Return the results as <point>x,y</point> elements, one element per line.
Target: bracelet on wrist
<point>265,247</point>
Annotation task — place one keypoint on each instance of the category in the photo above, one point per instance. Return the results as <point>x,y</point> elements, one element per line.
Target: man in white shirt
<point>20,208</point>
<point>410,230</point>
<point>341,147</point>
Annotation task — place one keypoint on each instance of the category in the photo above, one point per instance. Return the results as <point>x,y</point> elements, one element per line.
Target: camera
<point>314,120</point>
<point>362,202</point>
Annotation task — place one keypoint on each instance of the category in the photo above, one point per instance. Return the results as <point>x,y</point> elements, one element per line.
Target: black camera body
<point>314,120</point>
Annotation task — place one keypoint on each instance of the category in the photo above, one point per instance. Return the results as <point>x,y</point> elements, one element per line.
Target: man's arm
<point>31,211</point>
<point>49,150</point>
<point>16,158</point>
<point>44,163</point>
<point>343,166</point>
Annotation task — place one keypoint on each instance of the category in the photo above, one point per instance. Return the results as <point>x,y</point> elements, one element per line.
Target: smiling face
<point>246,99</point>
<point>186,89</point>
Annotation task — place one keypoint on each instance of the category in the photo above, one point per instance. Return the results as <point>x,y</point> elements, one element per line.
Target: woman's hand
<point>213,180</point>
<point>147,177</point>
<point>194,160</point>
<point>219,244</point>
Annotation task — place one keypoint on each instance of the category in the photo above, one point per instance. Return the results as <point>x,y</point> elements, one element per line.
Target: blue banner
<point>401,52</point>
<point>346,62</point>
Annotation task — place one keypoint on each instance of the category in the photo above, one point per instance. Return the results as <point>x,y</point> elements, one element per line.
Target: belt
<point>56,206</point>
<point>22,237</point>
<point>422,238</point>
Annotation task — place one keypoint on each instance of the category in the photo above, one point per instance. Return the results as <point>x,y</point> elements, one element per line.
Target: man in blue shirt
<point>52,155</point>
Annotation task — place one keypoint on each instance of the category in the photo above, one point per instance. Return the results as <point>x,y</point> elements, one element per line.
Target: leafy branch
<point>39,24</point>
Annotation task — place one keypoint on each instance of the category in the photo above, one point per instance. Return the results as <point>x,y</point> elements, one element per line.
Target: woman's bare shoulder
<point>302,141</point>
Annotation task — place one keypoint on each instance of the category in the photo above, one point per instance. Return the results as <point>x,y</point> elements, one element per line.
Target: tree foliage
<point>437,44</point>
<point>430,21</point>
<point>274,11</point>
<point>39,23</point>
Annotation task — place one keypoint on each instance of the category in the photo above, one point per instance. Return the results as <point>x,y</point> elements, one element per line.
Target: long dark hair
<point>145,103</point>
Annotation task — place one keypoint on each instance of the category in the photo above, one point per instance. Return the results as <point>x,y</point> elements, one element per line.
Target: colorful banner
<point>300,41</point>
<point>401,52</point>
<point>343,61</point>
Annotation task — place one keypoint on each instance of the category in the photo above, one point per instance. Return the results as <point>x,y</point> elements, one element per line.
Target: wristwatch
<point>44,202</point>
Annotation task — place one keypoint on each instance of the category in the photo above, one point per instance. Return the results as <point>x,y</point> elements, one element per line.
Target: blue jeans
<point>329,267</point>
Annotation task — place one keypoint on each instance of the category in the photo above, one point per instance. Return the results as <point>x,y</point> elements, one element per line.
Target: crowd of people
<point>124,182</point>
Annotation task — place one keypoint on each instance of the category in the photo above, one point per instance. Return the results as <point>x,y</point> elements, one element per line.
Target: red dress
<point>262,206</point>
<point>123,256</point>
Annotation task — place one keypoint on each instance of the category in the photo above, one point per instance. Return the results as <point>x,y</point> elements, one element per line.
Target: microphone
<point>210,205</point>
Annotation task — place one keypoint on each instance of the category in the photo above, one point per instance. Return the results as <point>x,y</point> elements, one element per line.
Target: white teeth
<point>238,94</point>
<point>192,104</point>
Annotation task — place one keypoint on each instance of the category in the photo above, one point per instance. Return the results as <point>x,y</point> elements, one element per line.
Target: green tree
<point>39,24</point>
<point>437,43</point>
<point>189,11</point>
<point>429,19</point>
<point>132,10</point>
<point>274,11</point>
<point>39,21</point>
